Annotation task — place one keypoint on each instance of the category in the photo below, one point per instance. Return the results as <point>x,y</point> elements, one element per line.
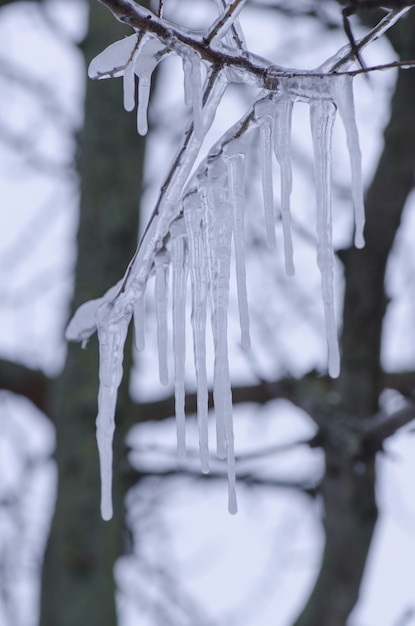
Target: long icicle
<point>342,87</point>
<point>161,263</point>
<point>193,214</point>
<point>179,279</point>
<point>322,116</point>
<point>235,154</point>
<point>112,338</point>
<point>265,117</point>
<point>282,148</point>
<point>220,214</point>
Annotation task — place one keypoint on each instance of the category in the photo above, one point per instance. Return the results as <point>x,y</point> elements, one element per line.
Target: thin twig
<point>222,22</point>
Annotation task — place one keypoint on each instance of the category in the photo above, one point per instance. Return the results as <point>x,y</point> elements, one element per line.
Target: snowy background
<point>255,568</point>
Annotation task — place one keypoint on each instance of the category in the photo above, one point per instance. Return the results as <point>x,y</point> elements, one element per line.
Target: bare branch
<point>224,22</point>
<point>383,426</point>
<point>19,379</point>
<point>309,488</point>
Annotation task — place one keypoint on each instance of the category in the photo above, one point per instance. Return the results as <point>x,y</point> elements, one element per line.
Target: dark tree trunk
<point>78,585</point>
<point>348,487</point>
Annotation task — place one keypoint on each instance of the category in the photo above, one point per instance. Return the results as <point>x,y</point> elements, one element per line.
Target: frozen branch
<point>208,208</point>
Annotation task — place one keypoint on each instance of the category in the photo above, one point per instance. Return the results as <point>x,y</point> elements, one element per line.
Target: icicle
<point>112,336</point>
<point>220,215</point>
<point>144,66</point>
<point>129,87</point>
<point>264,114</point>
<point>343,98</point>
<point>193,89</point>
<point>179,265</point>
<point>322,116</point>
<point>282,148</point>
<point>143,99</point>
<point>161,263</point>
<point>235,154</point>
<point>193,214</point>
<point>139,318</point>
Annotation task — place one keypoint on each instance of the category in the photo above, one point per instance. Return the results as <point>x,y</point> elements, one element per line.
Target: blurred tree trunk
<point>348,488</point>
<point>78,585</point>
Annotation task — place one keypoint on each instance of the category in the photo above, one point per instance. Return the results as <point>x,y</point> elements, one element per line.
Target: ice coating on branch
<point>136,55</point>
<point>230,30</point>
<point>161,263</point>
<point>112,334</point>
<point>282,148</point>
<point>83,323</point>
<point>322,116</point>
<point>178,250</point>
<point>194,220</point>
<point>200,240</point>
<point>114,59</point>
<point>145,63</point>
<point>264,112</point>
<point>235,155</point>
<point>193,89</point>
<point>220,216</point>
<point>343,98</point>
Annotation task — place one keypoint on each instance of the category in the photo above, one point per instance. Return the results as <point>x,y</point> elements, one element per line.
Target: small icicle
<point>161,263</point>
<point>221,218</point>
<point>144,66</point>
<point>179,265</point>
<point>111,336</point>
<point>139,318</point>
<point>193,214</point>
<point>265,117</point>
<point>343,98</point>
<point>235,154</point>
<point>322,116</point>
<point>143,100</point>
<point>193,94</point>
<point>282,148</point>
<point>129,87</point>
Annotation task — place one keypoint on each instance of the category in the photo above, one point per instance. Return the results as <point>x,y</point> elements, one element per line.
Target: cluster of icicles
<point>206,221</point>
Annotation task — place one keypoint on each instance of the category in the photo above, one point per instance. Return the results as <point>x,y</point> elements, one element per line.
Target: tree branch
<point>309,488</point>
<point>19,379</point>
